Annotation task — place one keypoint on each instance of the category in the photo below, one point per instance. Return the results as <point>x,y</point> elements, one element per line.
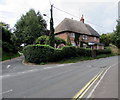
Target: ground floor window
<point>73,44</point>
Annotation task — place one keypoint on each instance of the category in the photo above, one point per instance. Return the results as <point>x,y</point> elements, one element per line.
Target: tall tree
<point>29,27</point>
<point>2,24</point>
<point>106,38</point>
<point>6,42</point>
<point>116,36</point>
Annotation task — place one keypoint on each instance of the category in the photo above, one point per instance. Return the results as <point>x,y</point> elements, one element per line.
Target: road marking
<point>19,73</point>
<point>6,91</point>
<point>8,75</point>
<point>8,66</point>
<point>98,83</point>
<point>61,65</point>
<point>47,68</point>
<point>81,93</point>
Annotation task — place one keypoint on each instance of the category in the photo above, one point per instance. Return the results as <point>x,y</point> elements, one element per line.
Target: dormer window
<point>84,37</point>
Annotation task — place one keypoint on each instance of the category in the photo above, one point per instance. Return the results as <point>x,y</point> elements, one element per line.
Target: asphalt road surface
<point>49,81</point>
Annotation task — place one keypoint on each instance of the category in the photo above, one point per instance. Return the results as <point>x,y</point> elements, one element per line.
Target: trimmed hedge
<point>105,51</point>
<point>83,52</point>
<point>38,53</point>
<point>45,53</point>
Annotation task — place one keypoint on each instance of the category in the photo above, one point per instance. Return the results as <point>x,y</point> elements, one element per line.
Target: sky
<point>100,14</point>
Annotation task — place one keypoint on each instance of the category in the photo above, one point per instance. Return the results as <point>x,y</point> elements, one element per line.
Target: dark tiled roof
<point>75,26</point>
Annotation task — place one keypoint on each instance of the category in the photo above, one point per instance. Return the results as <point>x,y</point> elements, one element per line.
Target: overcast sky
<point>100,14</point>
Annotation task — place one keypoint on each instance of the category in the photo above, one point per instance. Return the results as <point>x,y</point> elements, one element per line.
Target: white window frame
<point>95,38</point>
<point>72,35</point>
<point>85,37</point>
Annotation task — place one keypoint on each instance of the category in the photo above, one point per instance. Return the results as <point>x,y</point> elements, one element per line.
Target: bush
<point>45,53</point>
<point>59,41</point>
<point>43,40</point>
<point>57,55</point>
<point>105,51</point>
<point>7,47</point>
<point>69,51</point>
<point>38,53</point>
<point>83,52</point>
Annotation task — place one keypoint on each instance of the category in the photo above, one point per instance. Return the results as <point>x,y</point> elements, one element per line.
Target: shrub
<point>59,41</point>
<point>104,51</point>
<point>83,52</point>
<point>7,47</point>
<point>43,40</point>
<point>57,55</point>
<point>38,53</point>
<point>45,53</point>
<point>69,51</point>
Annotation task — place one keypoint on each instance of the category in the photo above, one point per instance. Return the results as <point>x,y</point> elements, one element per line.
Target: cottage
<point>78,33</point>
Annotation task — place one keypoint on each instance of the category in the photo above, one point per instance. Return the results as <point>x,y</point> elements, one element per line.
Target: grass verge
<point>7,56</point>
<point>77,59</point>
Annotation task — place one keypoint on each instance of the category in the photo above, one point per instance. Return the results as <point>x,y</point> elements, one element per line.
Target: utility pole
<point>51,38</point>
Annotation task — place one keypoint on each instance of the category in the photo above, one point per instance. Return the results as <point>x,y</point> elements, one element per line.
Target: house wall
<point>101,47</point>
<point>90,39</point>
<point>63,36</point>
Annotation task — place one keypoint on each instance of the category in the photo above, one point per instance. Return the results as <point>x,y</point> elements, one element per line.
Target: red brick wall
<point>90,39</point>
<point>63,36</point>
<point>101,47</point>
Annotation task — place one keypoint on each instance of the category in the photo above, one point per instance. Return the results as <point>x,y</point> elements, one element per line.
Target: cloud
<point>101,12</point>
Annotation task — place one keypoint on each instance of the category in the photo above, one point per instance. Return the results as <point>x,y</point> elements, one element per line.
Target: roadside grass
<point>77,59</point>
<point>7,56</point>
<point>114,49</point>
<point>74,59</point>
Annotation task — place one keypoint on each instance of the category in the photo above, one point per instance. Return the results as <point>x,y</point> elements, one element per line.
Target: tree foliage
<point>116,36</point>
<point>29,27</point>
<point>2,24</point>
<point>7,44</point>
<point>59,41</point>
<point>106,38</point>
<point>44,40</point>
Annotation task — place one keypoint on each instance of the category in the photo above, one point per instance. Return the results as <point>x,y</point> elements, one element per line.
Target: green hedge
<point>105,51</point>
<point>44,53</point>
<point>38,53</point>
<point>83,52</point>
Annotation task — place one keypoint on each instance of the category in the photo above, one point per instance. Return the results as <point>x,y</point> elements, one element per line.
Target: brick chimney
<point>82,19</point>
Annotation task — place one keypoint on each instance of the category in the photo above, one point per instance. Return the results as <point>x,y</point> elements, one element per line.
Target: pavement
<point>56,80</point>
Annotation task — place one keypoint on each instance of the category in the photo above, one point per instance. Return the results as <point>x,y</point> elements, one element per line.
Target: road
<point>49,81</point>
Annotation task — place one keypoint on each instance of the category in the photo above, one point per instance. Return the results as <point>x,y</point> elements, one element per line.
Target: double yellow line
<point>82,92</point>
